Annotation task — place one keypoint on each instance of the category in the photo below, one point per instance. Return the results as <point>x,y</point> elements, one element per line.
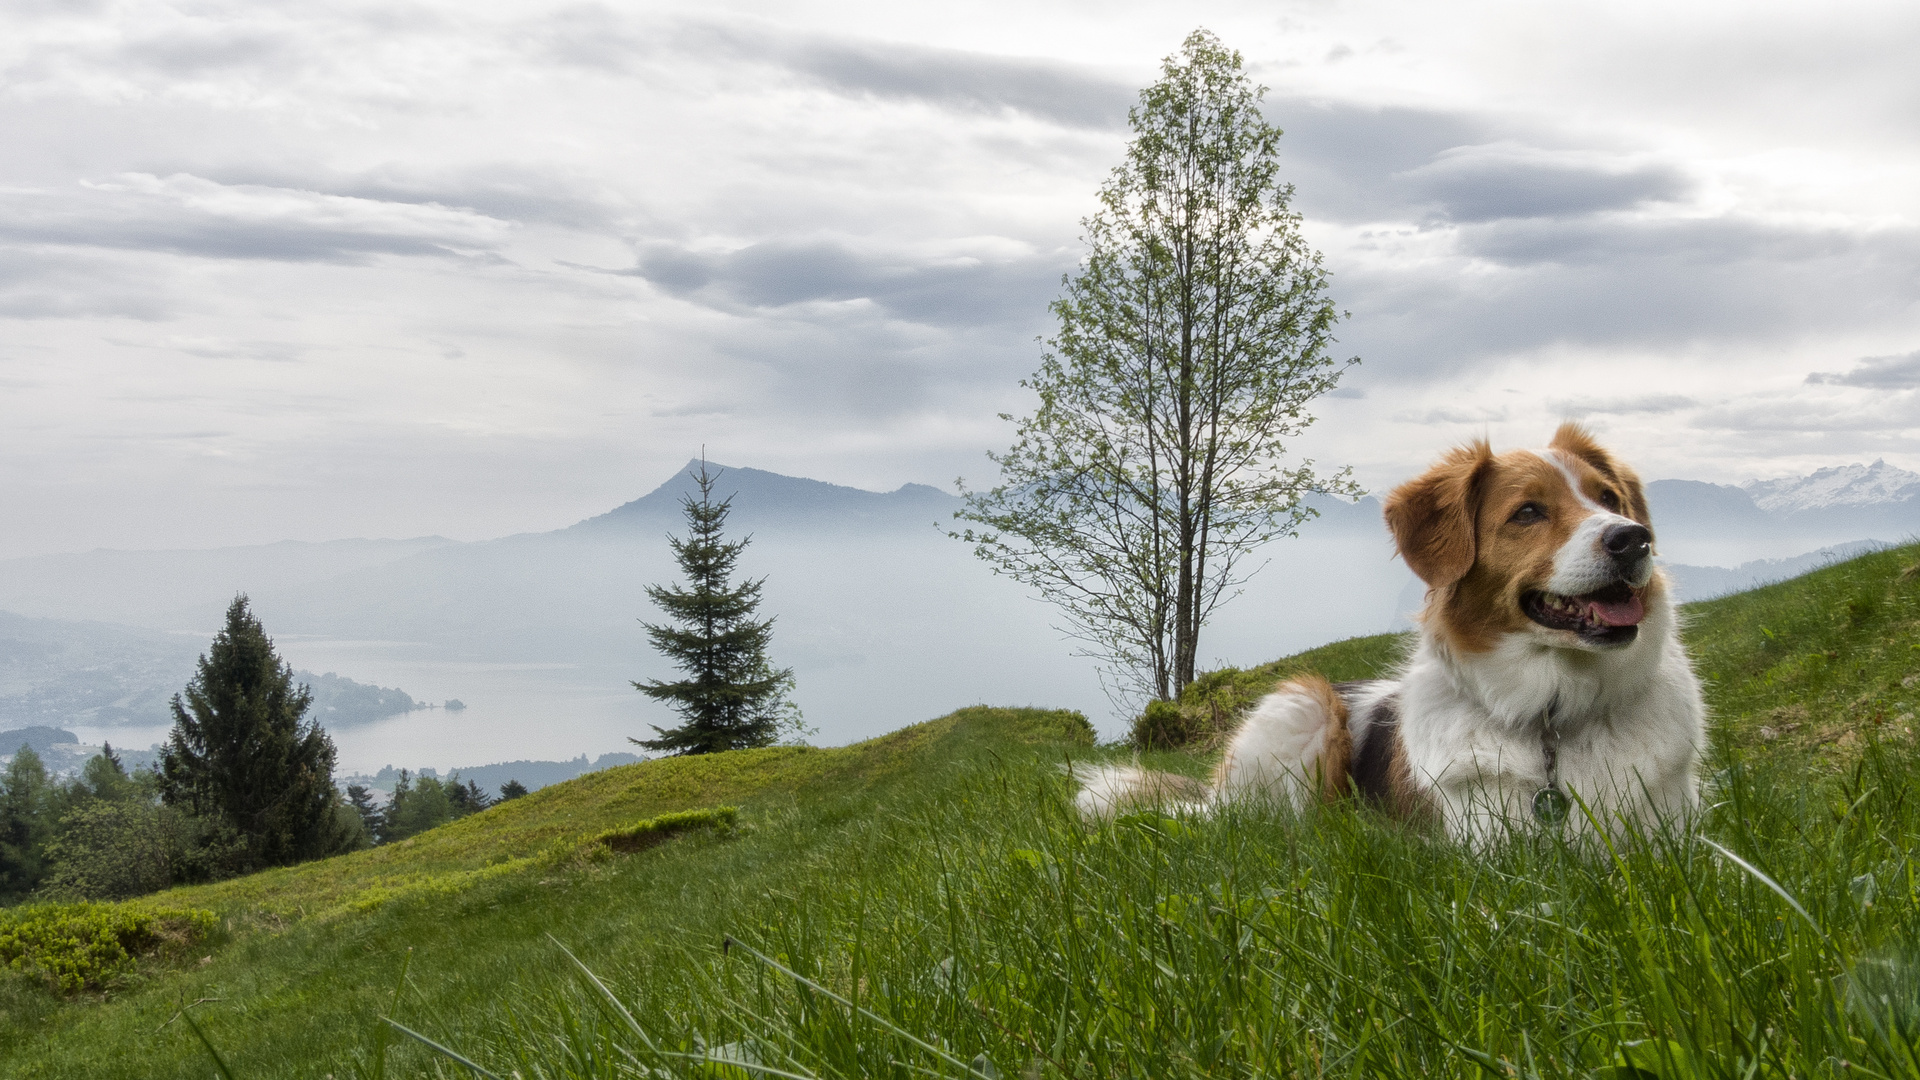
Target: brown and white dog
<point>1548,665</point>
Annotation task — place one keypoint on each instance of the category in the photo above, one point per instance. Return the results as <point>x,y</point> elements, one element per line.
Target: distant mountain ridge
<point>760,496</point>
<point>1844,485</point>
<point>881,614</point>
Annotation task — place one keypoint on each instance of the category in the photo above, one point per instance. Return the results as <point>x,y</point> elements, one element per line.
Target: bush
<point>77,947</point>
<point>111,851</point>
<point>1164,725</point>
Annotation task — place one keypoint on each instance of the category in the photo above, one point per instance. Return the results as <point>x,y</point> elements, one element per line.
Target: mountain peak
<point>760,496</point>
<point>1835,486</point>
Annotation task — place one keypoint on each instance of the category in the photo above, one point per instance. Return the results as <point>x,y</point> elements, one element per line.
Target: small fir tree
<point>243,754</point>
<point>360,797</point>
<point>512,789</point>
<point>733,697</point>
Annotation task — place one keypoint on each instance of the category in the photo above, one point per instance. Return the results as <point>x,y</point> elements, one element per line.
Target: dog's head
<point>1553,543</point>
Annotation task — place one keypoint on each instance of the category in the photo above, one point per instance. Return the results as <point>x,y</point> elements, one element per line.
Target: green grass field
<point>925,905</point>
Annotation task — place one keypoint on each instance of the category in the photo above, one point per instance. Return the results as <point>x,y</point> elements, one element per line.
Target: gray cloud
<point>777,274</point>
<point>211,49</point>
<point>966,81</point>
<point>1581,408</point>
<point>37,284</point>
<point>190,215</point>
<point>1490,183</point>
<point>1649,284</point>
<point>1877,373</point>
<point>598,37</point>
<point>1887,415</point>
<point>962,81</point>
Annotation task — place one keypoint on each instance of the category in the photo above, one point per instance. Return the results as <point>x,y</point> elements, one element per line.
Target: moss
<point>653,831</point>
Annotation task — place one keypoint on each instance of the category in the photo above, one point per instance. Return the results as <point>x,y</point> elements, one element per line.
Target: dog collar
<point>1550,804</point>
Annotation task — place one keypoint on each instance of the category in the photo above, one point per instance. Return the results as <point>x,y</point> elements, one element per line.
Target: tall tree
<point>1190,342</point>
<point>26,822</point>
<point>243,753</point>
<point>733,697</point>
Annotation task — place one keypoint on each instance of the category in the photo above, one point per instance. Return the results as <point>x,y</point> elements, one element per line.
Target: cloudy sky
<point>314,270</point>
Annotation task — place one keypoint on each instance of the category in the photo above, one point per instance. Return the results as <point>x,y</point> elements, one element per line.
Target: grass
<point>925,905</point>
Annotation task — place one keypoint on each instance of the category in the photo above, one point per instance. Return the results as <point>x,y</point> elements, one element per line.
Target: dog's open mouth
<point>1608,616</point>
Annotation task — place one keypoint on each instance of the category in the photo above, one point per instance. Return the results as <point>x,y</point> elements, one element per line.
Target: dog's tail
<point>1107,791</point>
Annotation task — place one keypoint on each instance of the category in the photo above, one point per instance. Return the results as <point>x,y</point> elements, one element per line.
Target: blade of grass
<point>606,994</point>
<point>868,1013</point>
<point>218,1062</point>
<point>437,1048</point>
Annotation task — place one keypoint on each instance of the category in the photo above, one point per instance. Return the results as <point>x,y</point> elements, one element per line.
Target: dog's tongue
<point>1626,612</point>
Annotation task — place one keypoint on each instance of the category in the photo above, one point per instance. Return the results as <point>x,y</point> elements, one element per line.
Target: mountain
<point>880,613</point>
<point>761,497</point>
<point>1856,485</point>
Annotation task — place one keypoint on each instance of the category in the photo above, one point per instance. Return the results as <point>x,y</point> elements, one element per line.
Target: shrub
<point>111,851</point>
<point>1163,725</point>
<point>77,947</point>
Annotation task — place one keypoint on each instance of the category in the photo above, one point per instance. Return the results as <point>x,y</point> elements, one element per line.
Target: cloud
<point>942,290</point>
<point>1506,180</point>
<point>1877,373</point>
<point>1479,414</point>
<point>1802,414</point>
<point>188,214</point>
<point>953,79</point>
<point>37,284</point>
<point>1581,408</point>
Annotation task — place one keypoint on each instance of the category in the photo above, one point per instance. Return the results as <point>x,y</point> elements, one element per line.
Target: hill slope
<point>936,877</point>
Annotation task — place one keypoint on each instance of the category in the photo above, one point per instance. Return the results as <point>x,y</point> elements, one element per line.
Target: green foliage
<point>113,849</point>
<point>732,698</point>
<point>658,830</point>
<point>76,947</point>
<point>512,789</point>
<point>422,803</point>
<point>1190,344</point>
<point>243,753</point>
<point>1164,725</point>
<point>1209,709</point>
<point>925,901</point>
<point>26,798</point>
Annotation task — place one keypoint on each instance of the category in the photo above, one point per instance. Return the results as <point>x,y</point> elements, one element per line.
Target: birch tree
<point>1189,346</point>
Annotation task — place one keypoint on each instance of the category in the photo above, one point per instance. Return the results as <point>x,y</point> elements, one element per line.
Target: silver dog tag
<point>1550,805</point>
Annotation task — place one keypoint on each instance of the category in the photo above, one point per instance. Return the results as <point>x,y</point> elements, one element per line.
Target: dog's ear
<point>1576,440</point>
<point>1432,516</point>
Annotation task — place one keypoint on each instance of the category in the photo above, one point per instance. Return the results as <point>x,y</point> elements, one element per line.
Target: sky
<point>318,270</point>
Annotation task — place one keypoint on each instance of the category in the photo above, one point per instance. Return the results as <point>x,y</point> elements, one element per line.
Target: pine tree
<point>26,821</point>
<point>243,754</point>
<point>732,697</point>
<point>360,797</point>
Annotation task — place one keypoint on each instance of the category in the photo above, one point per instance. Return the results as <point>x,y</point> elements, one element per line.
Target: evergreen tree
<point>419,803</point>
<point>26,821</point>
<point>512,789</point>
<point>243,754</point>
<point>360,797</point>
<point>732,697</point>
<point>466,798</point>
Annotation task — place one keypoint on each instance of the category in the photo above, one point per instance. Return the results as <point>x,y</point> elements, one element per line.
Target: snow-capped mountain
<point>1843,485</point>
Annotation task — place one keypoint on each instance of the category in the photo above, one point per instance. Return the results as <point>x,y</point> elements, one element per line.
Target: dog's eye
<point>1609,500</point>
<point>1528,514</point>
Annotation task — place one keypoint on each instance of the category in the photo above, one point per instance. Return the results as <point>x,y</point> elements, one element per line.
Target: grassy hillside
<point>924,903</point>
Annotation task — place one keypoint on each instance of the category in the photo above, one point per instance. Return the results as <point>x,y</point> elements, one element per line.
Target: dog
<point>1548,682</point>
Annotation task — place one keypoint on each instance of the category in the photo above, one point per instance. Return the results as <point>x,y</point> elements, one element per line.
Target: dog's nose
<point>1627,543</point>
